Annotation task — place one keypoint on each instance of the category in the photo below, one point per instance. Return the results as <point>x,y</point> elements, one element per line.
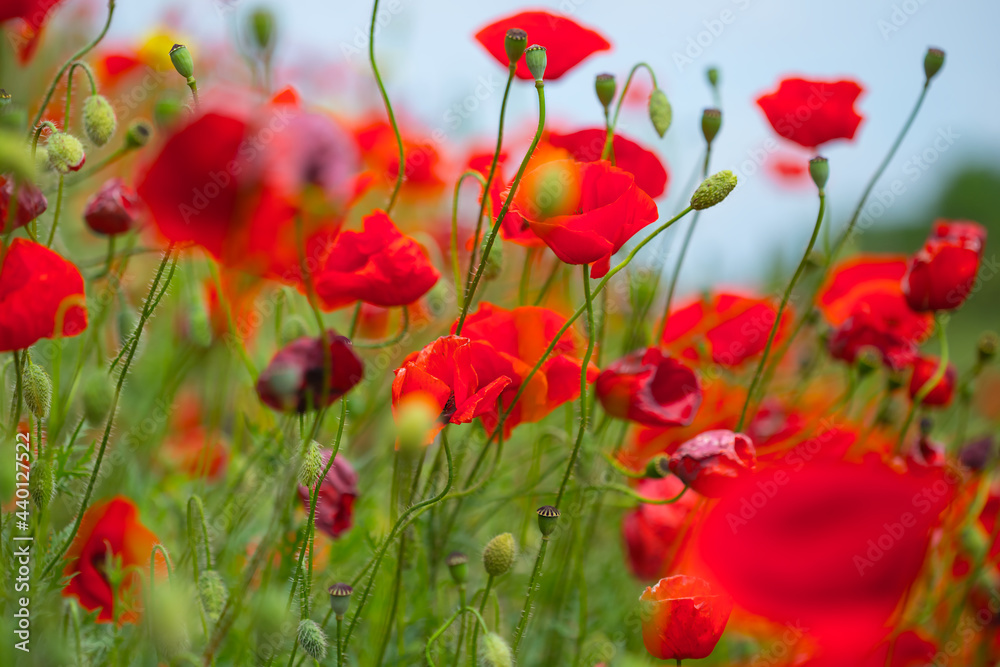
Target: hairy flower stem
<point>447,624</point>
<point>456,269</point>
<point>606,153</point>
<point>474,643</point>
<point>400,172</point>
<point>927,386</point>
<point>781,310</point>
<point>536,572</point>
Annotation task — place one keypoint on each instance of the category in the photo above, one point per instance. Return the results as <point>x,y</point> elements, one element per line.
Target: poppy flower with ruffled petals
<point>568,43</point>
<point>587,145</point>
<point>924,368</point>
<point>584,211</point>
<point>378,265</point>
<point>113,209</point>
<point>31,203</point>
<point>33,14</point>
<point>443,374</point>
<point>38,290</point>
<point>824,545</point>
<point>683,618</point>
<point>650,388</point>
<point>812,112</point>
<point>853,279</point>
<point>337,493</point>
<point>294,378</point>
<point>710,463</point>
<point>508,343</point>
<point>111,531</point>
<point>941,275</point>
<point>651,531</point>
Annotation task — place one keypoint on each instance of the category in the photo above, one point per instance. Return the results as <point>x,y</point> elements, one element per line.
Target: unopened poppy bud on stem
<point>493,261</point>
<point>548,516</point>
<point>711,121</point>
<point>312,639</point>
<point>498,555</point>
<point>514,43</point>
<point>658,467</point>
<point>66,153</point>
<point>819,169</point>
<point>986,348</point>
<point>712,74</point>
<point>458,567</point>
<point>41,483</point>
<point>312,464</point>
<point>340,598</point>
<point>933,62</point>
<point>212,592</point>
<point>97,397</point>
<point>138,134</point>
<point>713,190</point>
<point>99,120</point>
<point>37,390</point>
<point>495,652</point>
<point>605,87</point>
<point>184,64</point>
<point>536,60</point>
<point>660,112</point>
<point>262,28</point>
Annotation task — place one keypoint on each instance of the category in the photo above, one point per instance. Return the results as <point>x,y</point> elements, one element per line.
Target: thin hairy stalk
<point>447,624</point>
<point>608,141</point>
<point>455,267</point>
<point>474,642</point>
<point>401,170</point>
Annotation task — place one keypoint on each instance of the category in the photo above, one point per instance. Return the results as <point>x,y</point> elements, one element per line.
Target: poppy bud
<point>986,348</point>
<point>113,209</point>
<point>302,376</point>
<point>535,59</point>
<point>65,152</point>
<point>31,203</point>
<point>212,592</point>
<point>182,61</point>
<point>660,112</point>
<point>262,28</point>
<point>548,516</point>
<point>498,555</point>
<point>819,169</point>
<point>605,86</point>
<point>709,463</point>
<point>711,121</point>
<point>978,454</point>
<point>312,465</point>
<point>683,618</point>
<point>941,275</point>
<point>166,111</point>
<point>514,43</point>
<point>712,74</point>
<point>458,566</point>
<point>713,190</point>
<point>312,639</point>
<point>933,62</point>
<point>97,397</point>
<point>138,134</point>
<point>868,359</point>
<point>924,368</point>
<point>658,467</point>
<point>41,483</point>
<point>169,613</point>
<point>37,388</point>
<point>493,261</point>
<point>495,652</point>
<point>340,598</point>
<point>99,121</point>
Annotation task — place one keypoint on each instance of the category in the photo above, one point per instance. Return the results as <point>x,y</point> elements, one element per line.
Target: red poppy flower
<point>31,203</point>
<point>832,546</point>
<point>293,379</point>
<point>585,212</point>
<point>113,209</point>
<point>812,112</point>
<point>651,531</point>
<point>587,145</point>
<point>376,141</point>
<point>568,43</point>
<point>196,452</point>
<point>379,265</point>
<point>650,388</point>
<point>924,369</point>
<point>853,279</point>
<point>909,649</point>
<point>734,327</point>
<point>109,531</point>
<point>683,618</point>
<point>942,273</point>
<point>32,14</point>
<point>337,493</point>
<point>710,463</point>
<point>508,343</point>
<point>38,290</point>
<point>443,374</point>
<point>789,170</point>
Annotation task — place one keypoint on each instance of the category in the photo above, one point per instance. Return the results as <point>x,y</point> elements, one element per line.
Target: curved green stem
<point>456,269</point>
<point>400,335</point>
<point>447,624</point>
<point>461,627</point>
<point>642,499</point>
<point>69,88</point>
<point>392,121</point>
<point>929,385</point>
<point>474,644</point>
<point>55,218</point>
<point>606,152</point>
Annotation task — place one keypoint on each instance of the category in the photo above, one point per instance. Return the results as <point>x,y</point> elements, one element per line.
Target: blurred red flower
<point>38,290</point>
<point>113,209</point>
<point>812,112</point>
<point>110,530</point>
<point>712,462</point>
<point>293,379</point>
<point>31,203</point>
<point>587,145</point>
<point>584,212</point>
<point>833,546</point>
<point>376,142</point>
<point>683,618</point>
<point>567,43</point>
<point>33,14</point>
<point>337,493</point>
<point>924,369</point>
<point>909,649</point>
<point>651,531</point>
<point>650,388</point>
<point>378,265</point>
<point>941,275</point>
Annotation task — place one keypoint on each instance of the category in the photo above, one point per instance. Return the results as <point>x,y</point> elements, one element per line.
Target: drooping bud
<point>495,652</point>
<point>711,121</point>
<point>97,397</point>
<point>41,483</point>
<point>138,134</point>
<point>606,88</point>
<point>113,209</point>
<point>536,60</point>
<point>182,61</point>
<point>66,153</point>
<point>262,28</point>
<point>340,598</point>
<point>312,465</point>
<point>933,62</point>
<point>658,467</point>
<point>986,348</point>
<point>819,169</point>
<point>548,516</point>
<point>713,190</point>
<point>37,390</point>
<point>494,261</point>
<point>458,566</point>
<point>213,593</point>
<point>660,112</point>
<point>712,74</point>
<point>514,43</point>
<point>499,554</point>
<point>99,120</point>
<point>312,639</point>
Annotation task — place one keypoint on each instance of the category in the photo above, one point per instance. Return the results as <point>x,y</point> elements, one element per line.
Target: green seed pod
<point>660,112</point>
<point>262,28</point>
<point>712,74</point>
<point>605,87</point>
<point>458,566</point>
<point>499,554</point>
<point>312,639</point>
<point>311,466</point>
<point>658,467</point>
<point>536,60</point>
<point>213,593</point>
<point>99,120</point>
<point>494,262</point>
<point>66,153</point>
<point>37,389</point>
<point>340,598</point>
<point>711,122</point>
<point>713,190</point>
<point>933,62</point>
<point>986,347</point>
<point>97,397</point>
<point>41,483</point>
<point>292,328</point>
<point>182,61</point>
<point>514,43</point>
<point>548,516</point>
<point>138,134</point>
<point>819,169</point>
<point>495,652</point>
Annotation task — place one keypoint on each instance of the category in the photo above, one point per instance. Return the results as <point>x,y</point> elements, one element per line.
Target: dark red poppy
<point>113,209</point>
<point>584,212</point>
<point>711,463</point>
<point>110,530</point>
<point>941,275</point>
<point>293,379</point>
<point>651,531</point>
<point>30,202</point>
<point>508,343</point>
<point>38,290</point>
<point>650,388</point>
<point>587,145</point>
<point>337,493</point>
<point>568,43</point>
<point>32,14</point>
<point>812,112</point>
<point>924,369</point>
<point>683,618</point>
<point>378,265</point>
<point>442,374</point>
<point>831,546</point>
<point>734,327</point>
